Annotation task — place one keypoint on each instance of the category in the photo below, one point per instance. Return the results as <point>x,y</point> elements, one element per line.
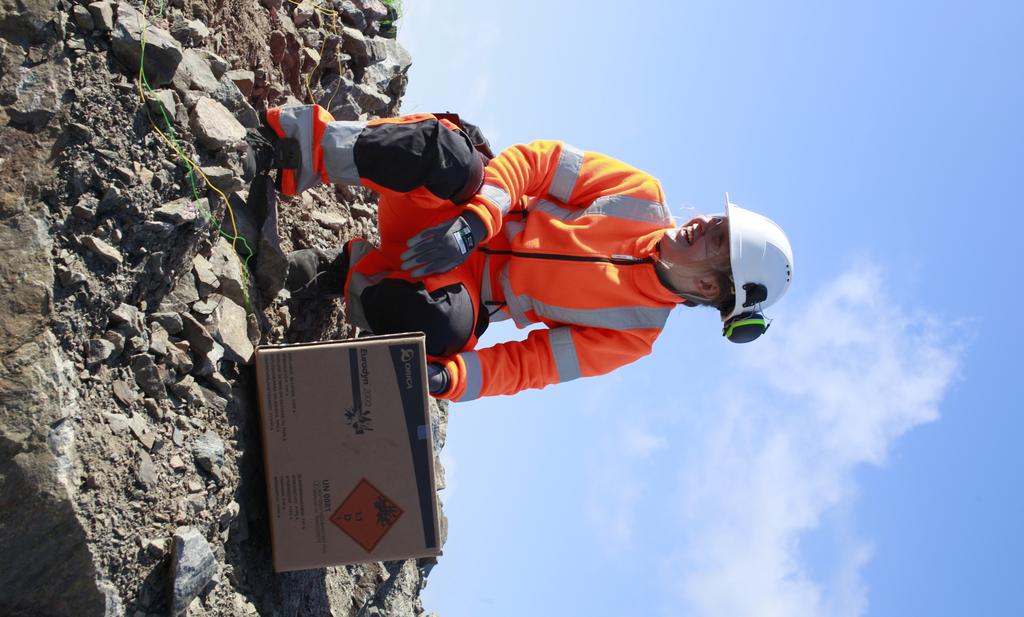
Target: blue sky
<point>861,459</point>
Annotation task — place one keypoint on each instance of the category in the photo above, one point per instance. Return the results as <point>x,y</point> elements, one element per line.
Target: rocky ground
<point>130,468</point>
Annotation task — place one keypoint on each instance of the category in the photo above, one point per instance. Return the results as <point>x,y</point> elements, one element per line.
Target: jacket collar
<point>647,246</point>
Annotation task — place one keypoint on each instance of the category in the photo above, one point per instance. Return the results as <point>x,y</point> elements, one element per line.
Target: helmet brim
<point>735,256</point>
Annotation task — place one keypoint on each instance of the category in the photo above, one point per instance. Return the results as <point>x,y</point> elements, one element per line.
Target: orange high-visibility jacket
<point>571,236</point>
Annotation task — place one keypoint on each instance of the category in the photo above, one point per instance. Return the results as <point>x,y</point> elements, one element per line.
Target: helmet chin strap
<point>662,267</point>
<point>691,299</point>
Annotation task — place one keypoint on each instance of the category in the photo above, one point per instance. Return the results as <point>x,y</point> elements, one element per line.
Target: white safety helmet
<point>762,269</point>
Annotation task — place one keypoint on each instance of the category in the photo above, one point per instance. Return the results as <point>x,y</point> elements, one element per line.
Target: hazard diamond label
<point>366,515</point>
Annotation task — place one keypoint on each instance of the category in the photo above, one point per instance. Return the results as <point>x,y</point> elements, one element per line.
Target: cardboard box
<point>348,451</point>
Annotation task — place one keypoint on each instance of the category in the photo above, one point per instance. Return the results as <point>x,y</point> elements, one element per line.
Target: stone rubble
<point>330,220</point>
<point>133,405</point>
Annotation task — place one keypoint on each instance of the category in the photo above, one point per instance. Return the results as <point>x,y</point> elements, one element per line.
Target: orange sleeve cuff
<point>486,216</point>
<point>456,376</point>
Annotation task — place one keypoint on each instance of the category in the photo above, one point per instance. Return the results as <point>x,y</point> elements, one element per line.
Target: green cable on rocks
<point>145,88</point>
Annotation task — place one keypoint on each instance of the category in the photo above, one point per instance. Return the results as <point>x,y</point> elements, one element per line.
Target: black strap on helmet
<point>754,293</point>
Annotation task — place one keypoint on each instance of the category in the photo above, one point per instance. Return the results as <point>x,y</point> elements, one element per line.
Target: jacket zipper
<point>618,261</point>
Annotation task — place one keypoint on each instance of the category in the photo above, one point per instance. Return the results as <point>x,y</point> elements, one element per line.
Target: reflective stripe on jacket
<point>571,234</point>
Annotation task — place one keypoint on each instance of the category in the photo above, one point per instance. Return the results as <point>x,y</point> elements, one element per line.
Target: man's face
<point>701,239</point>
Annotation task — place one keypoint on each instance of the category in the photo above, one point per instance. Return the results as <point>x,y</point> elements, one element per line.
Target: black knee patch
<point>403,157</point>
<point>445,315</point>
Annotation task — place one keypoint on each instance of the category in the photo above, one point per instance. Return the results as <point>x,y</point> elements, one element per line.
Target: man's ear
<point>708,287</point>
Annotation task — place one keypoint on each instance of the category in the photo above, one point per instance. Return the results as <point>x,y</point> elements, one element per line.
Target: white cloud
<point>830,390</point>
<point>617,483</point>
<point>640,442</point>
<point>610,507</point>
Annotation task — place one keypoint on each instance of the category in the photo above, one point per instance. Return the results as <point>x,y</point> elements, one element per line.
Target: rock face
<point>38,479</point>
<point>130,464</point>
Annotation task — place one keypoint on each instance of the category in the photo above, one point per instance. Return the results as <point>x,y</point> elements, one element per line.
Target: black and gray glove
<point>445,246</point>
<point>438,379</point>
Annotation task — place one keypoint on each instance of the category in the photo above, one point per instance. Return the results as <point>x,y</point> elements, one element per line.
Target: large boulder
<point>102,14</point>
<point>229,94</point>
<point>162,52</point>
<point>190,32</point>
<point>233,329</point>
<point>354,43</point>
<point>193,568</point>
<point>215,127</point>
<point>194,73</point>
<point>228,268</point>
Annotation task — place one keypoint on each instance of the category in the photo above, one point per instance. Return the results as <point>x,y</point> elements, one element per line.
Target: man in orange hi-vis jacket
<point>543,232</point>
